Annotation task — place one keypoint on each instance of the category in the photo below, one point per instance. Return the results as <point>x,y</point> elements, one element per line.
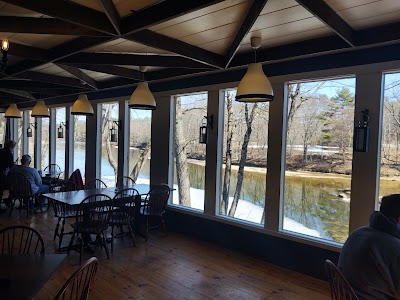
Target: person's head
<point>26,160</point>
<point>390,206</point>
<point>10,144</point>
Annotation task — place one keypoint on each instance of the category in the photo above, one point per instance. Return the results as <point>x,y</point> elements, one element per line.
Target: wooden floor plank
<point>173,267</point>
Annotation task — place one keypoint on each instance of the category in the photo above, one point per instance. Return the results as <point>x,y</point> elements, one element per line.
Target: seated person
<point>370,258</point>
<point>33,176</point>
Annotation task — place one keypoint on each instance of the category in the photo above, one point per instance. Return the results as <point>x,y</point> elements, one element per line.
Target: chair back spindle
<point>21,239</point>
<point>340,287</point>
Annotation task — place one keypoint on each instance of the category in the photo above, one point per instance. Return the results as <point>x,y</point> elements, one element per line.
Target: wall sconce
<point>4,48</point>
<point>29,132</point>
<point>361,133</point>
<point>207,124</point>
<point>114,131</point>
<point>60,130</point>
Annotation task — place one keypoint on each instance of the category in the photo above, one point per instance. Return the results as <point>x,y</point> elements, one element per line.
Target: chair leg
<point>56,230</point>
<point>131,233</point>
<point>104,242</point>
<point>112,238</point>
<point>80,250</point>
<point>146,228</point>
<point>11,206</point>
<point>61,235</point>
<point>163,225</point>
<point>71,242</point>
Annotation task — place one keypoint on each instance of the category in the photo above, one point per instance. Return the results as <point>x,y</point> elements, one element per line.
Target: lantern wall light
<point>206,126</point>
<point>114,130</point>
<point>29,130</point>
<point>5,45</point>
<point>60,130</point>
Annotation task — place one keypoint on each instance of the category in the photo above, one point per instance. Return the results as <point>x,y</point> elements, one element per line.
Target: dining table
<point>23,275</point>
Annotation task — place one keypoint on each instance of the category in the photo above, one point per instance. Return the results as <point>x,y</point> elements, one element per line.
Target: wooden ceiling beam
<point>19,93</point>
<point>330,18</point>
<point>30,85</point>
<point>112,70</point>
<point>82,76</point>
<point>27,51</point>
<point>248,22</point>
<point>56,53</point>
<point>68,12</point>
<point>159,41</point>
<point>161,12</point>
<point>112,14</point>
<point>48,78</point>
<point>43,26</point>
<point>134,60</point>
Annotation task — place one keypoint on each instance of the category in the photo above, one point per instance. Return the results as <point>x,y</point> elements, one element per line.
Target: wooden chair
<point>124,213</point>
<point>154,207</point>
<point>125,181</point>
<point>55,171</point>
<point>95,184</point>
<point>78,285</point>
<point>20,189</point>
<point>92,217</point>
<point>340,288</point>
<point>19,239</point>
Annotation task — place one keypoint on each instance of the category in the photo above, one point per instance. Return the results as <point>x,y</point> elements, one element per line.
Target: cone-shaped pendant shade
<point>142,98</point>
<point>12,111</point>
<point>254,86</point>
<point>82,106</point>
<point>40,110</point>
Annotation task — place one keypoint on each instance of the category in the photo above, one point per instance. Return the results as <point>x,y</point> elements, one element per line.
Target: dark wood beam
<point>69,12</point>
<point>43,77</point>
<point>82,76</point>
<point>27,51</point>
<point>378,34</point>
<point>133,60</point>
<point>56,53</point>
<point>112,70</point>
<point>161,12</point>
<point>36,86</point>
<point>112,14</point>
<point>159,41</point>
<point>248,22</point>
<point>43,26</point>
<point>170,73</point>
<point>19,93</point>
<point>327,15</point>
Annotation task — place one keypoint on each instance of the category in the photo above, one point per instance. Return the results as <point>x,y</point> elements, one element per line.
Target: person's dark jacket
<point>6,159</point>
<point>370,259</point>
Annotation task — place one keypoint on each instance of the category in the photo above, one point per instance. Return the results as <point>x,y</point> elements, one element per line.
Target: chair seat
<point>67,214</point>
<point>147,212</point>
<point>120,217</point>
<point>91,227</point>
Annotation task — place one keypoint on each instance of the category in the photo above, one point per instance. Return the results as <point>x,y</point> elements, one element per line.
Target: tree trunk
<point>228,156</point>
<point>243,157</point>
<point>182,171</point>
<point>141,161</point>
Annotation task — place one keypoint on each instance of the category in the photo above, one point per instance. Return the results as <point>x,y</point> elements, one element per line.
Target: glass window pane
<point>79,143</point>
<point>139,145</point>
<point>390,150</point>
<point>243,173</point>
<point>189,155</point>
<point>319,150</point>
<point>60,143</point>
<point>31,140</point>
<point>2,129</point>
<point>20,140</point>
<point>45,142</point>
<point>109,149</point>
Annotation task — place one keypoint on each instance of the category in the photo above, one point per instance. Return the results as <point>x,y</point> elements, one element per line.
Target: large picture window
<point>188,154</point>
<point>109,148</point>
<point>79,143</point>
<point>139,145</point>
<point>319,158</point>
<point>390,145</point>
<point>45,153</point>
<point>244,152</point>
<point>60,144</point>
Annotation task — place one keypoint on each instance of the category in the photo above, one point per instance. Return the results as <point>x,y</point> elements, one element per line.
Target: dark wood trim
<point>251,17</point>
<point>171,73</point>
<point>68,12</point>
<point>112,70</point>
<point>27,51</point>
<point>33,85</point>
<point>82,76</point>
<point>112,14</point>
<point>379,34</point>
<point>161,12</point>
<point>159,41</point>
<point>330,18</point>
<point>43,77</point>
<point>133,60</point>
<point>43,26</point>
<point>19,93</point>
<point>57,52</point>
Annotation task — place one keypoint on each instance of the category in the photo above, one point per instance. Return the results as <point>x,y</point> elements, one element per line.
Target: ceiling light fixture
<point>13,112</point>
<point>5,45</point>
<point>40,110</point>
<point>142,98</point>
<point>82,106</point>
<point>255,85</point>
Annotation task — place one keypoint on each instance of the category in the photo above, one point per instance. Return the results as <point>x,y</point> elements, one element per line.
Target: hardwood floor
<point>174,267</point>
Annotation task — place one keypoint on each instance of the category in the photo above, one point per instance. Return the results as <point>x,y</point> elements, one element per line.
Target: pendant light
<point>13,112</point>
<point>142,98</point>
<point>40,110</point>
<point>82,106</point>
<point>254,86</point>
